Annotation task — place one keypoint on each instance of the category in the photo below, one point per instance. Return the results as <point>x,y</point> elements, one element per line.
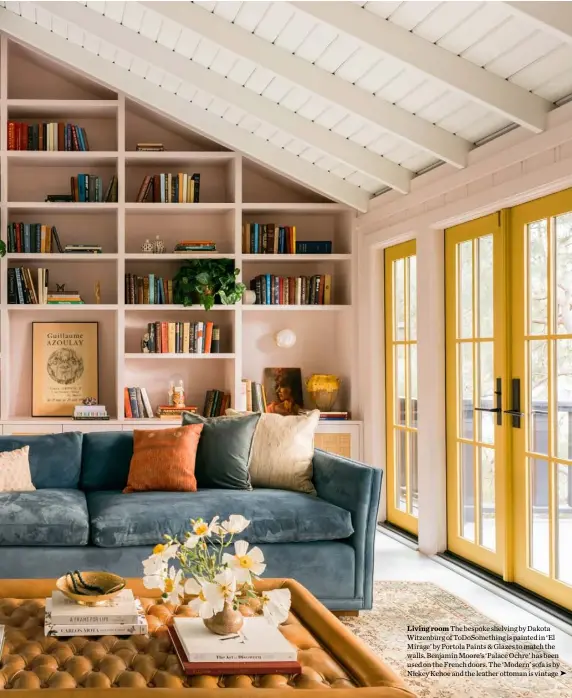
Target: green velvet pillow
<point>224,448</point>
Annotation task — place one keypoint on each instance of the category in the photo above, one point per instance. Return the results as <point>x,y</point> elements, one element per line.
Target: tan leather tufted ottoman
<point>330,655</point>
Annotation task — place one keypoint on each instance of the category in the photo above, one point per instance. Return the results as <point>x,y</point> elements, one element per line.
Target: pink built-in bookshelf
<point>233,191</point>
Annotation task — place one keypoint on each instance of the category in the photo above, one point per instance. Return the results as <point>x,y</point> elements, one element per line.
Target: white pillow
<point>15,471</point>
<point>282,451</point>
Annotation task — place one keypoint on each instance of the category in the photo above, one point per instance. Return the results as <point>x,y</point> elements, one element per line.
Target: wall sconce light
<point>285,339</point>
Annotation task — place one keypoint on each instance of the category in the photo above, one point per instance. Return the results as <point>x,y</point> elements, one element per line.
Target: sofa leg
<point>346,614</point>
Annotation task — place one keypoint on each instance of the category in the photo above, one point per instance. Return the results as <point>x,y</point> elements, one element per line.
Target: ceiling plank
<point>181,111</point>
<point>444,145</point>
<point>552,17</point>
<point>503,97</point>
<point>361,159</point>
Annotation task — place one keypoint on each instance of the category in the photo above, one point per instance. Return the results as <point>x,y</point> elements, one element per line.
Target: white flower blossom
<point>220,591</point>
<point>236,524</point>
<point>244,563</point>
<point>275,605</point>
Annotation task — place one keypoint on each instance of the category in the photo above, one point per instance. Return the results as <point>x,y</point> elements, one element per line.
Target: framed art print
<point>283,388</point>
<point>65,366</point>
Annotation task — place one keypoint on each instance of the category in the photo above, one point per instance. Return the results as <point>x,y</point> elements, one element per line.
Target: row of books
<point>23,290</point>
<point>289,290</point>
<point>33,238</point>
<point>90,412</point>
<point>89,188</point>
<point>195,246</point>
<point>123,615</point>
<point>216,402</point>
<point>78,248</point>
<point>46,136</point>
<point>254,395</point>
<point>182,338</point>
<point>148,290</point>
<point>137,404</point>
<point>151,147</point>
<point>167,188</point>
<point>268,238</point>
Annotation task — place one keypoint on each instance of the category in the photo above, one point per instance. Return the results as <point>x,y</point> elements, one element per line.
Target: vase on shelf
<point>148,247</point>
<point>323,389</point>
<point>159,245</point>
<point>225,622</point>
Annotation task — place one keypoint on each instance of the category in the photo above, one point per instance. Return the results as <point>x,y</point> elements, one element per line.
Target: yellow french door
<point>401,385</point>
<point>476,507</point>
<point>541,325</point>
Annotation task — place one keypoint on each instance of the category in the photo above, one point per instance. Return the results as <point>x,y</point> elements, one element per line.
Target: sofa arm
<point>356,488</point>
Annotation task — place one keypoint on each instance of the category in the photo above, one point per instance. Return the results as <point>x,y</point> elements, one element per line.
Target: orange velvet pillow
<point>164,459</point>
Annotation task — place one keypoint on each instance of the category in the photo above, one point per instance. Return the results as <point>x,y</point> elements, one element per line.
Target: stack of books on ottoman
<point>258,648</point>
<point>123,615</point>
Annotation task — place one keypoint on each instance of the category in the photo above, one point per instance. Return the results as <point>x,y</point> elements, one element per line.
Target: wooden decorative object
<point>64,366</point>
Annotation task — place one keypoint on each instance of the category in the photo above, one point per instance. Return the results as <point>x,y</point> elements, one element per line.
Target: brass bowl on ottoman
<point>111,584</point>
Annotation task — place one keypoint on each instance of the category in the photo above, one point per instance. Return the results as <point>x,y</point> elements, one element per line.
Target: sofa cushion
<point>43,517</point>
<point>276,516</point>
<point>105,460</point>
<point>55,459</point>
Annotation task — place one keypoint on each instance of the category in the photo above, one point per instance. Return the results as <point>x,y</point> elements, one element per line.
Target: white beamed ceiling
<point>311,90</point>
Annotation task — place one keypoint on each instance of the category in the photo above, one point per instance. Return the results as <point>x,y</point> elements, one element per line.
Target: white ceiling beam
<point>502,96</point>
<point>190,72</point>
<point>444,145</point>
<point>181,111</point>
<point>552,17</point>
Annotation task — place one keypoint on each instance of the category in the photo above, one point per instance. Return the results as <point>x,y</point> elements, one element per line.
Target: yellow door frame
<point>404,519</point>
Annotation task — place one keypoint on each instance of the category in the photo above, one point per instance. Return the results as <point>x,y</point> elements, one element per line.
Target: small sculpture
<point>89,401</point>
<point>98,292</point>
<point>179,395</point>
<point>145,341</point>
<point>60,288</point>
<point>159,245</point>
<point>147,246</point>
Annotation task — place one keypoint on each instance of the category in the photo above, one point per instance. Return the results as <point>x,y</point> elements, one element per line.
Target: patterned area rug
<point>399,604</point>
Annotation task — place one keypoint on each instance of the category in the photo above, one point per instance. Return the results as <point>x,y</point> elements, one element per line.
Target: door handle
<point>498,403</point>
<point>514,411</point>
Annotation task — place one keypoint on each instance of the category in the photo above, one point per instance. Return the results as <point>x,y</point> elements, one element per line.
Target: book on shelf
<point>290,290</point>
<point>181,338</point>
<point>95,620</point>
<point>259,648</point>
<point>35,238</point>
<point>216,402</point>
<point>148,290</point>
<point>45,136</point>
<point>88,188</point>
<point>326,416</point>
<point>168,188</point>
<point>314,247</point>
<point>137,404</point>
<point>88,412</point>
<point>83,249</point>
<point>172,412</point>
<point>268,238</point>
<point>254,396</point>
<point>195,246</point>
<point>122,609</point>
<point>23,290</point>
<point>150,147</point>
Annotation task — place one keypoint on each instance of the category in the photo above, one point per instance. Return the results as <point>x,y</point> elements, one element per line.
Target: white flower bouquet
<point>219,581</point>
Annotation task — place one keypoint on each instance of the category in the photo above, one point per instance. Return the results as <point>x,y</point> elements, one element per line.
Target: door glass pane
<point>466,383</point>
<point>563,397</point>
<point>400,470</point>
<point>485,315</point>
<point>412,297</point>
<point>538,277</point>
<point>399,298</point>
<point>563,296</point>
<point>467,492</point>
<point>564,524</point>
<point>487,420</point>
<point>539,516</point>
<point>399,365</point>
<point>413,385</point>
<point>465,293</point>
<point>487,518</point>
<point>538,392</point>
<point>413,473</point>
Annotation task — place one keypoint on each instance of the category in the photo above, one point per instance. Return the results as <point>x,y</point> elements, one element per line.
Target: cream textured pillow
<point>15,471</point>
<point>282,451</point>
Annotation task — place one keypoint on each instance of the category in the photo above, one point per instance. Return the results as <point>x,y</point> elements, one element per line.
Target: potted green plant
<point>204,280</point>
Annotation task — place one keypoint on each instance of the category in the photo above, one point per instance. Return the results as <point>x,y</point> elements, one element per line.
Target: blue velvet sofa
<point>78,518</point>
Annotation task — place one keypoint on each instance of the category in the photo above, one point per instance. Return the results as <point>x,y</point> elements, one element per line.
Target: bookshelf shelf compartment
<point>168,158</point>
<point>177,208</point>
<point>302,258</point>
<point>61,158</point>
<point>48,258</point>
<point>295,308</point>
<point>62,308</point>
<point>62,207</point>
<point>157,307</point>
<point>62,108</point>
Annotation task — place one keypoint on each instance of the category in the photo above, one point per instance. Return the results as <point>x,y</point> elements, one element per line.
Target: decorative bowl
<point>108,586</point>
<point>323,389</point>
